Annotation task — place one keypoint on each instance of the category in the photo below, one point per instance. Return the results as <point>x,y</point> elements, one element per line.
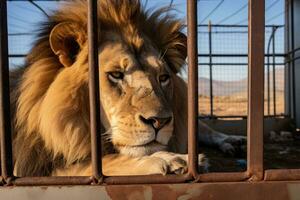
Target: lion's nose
<point>156,122</point>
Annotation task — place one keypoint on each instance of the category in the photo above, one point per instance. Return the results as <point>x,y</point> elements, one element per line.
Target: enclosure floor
<point>279,155</point>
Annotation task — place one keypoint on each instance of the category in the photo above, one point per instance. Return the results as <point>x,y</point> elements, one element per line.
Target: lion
<point>143,100</point>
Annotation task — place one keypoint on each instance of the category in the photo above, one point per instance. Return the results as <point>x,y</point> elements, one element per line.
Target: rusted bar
<point>268,83</point>
<point>147,179</point>
<point>282,175</point>
<point>192,87</point>
<point>241,55</point>
<point>5,124</point>
<point>274,71</point>
<point>94,90</point>
<point>54,180</point>
<point>210,71</point>
<point>255,89</point>
<point>223,177</point>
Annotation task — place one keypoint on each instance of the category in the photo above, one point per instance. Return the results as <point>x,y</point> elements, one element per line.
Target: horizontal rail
<point>238,116</point>
<point>148,179</point>
<point>200,55</point>
<point>282,174</point>
<point>236,64</point>
<point>240,55</point>
<point>58,180</point>
<point>224,177</point>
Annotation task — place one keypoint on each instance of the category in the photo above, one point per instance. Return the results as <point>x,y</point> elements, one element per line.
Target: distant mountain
<point>228,88</point>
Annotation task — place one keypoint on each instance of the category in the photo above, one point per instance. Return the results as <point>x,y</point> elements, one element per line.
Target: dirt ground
<point>236,105</point>
<point>277,155</point>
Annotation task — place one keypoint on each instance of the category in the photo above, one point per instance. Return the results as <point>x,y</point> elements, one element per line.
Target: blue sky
<point>23,17</point>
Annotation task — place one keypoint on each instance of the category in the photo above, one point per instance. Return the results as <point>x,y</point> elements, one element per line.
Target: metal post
<point>6,146</point>
<point>192,88</point>
<point>256,89</point>
<point>94,91</point>
<point>268,82</point>
<point>210,70</point>
<point>294,105</point>
<point>274,70</point>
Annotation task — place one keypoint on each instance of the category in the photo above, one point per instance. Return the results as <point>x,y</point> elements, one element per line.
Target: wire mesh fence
<point>223,70</point>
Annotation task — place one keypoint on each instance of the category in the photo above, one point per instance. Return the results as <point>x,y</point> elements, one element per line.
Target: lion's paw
<point>178,163</point>
<point>156,165</point>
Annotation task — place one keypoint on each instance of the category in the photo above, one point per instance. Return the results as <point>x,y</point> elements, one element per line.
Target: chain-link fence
<point>223,70</point>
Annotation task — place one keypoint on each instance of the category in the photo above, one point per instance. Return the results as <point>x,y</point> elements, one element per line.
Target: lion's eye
<point>115,76</point>
<point>164,79</point>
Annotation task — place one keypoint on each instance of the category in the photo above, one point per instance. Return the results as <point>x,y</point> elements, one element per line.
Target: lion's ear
<point>176,52</point>
<point>66,39</point>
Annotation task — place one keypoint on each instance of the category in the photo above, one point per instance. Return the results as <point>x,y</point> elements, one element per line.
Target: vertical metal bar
<point>293,74</point>
<point>6,146</point>
<point>274,69</point>
<point>268,83</point>
<point>94,90</point>
<point>192,87</point>
<point>287,74</point>
<point>210,70</point>
<point>256,89</point>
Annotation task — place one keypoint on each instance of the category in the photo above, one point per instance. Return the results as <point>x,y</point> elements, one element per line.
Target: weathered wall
<point>207,191</point>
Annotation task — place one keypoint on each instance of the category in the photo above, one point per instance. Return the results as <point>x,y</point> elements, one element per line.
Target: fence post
<point>210,71</point>
<point>274,69</point>
<point>94,91</point>
<point>192,88</point>
<point>256,89</point>
<point>5,123</point>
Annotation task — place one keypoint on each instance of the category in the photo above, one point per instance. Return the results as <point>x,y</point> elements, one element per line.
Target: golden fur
<point>50,94</point>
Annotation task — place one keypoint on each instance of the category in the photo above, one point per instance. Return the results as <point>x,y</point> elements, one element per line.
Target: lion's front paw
<point>177,163</point>
<point>156,165</point>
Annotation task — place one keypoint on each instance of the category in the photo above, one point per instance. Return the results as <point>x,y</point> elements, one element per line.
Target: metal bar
<point>282,174</point>
<point>287,74</point>
<point>274,71</point>
<point>293,80</point>
<point>147,179</point>
<point>271,39</point>
<point>6,146</point>
<point>240,116</point>
<point>94,90</point>
<point>54,180</point>
<point>210,71</point>
<point>255,89</point>
<point>239,55</point>
<point>199,55</point>
<point>192,53</point>
<point>233,25</point>
<point>223,177</point>
<point>234,64</point>
<point>268,77</point>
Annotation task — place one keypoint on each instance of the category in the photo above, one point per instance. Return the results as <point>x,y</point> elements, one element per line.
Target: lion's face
<point>137,69</point>
<point>136,93</point>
